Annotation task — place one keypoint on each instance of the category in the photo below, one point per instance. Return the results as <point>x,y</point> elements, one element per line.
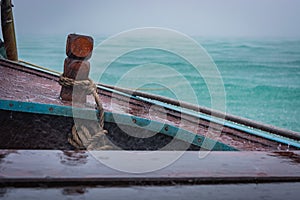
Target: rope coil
<point>82,138</point>
<point>89,87</point>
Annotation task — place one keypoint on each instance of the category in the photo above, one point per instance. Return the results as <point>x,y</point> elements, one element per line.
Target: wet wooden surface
<point>269,191</point>
<point>79,46</point>
<point>45,167</point>
<point>23,84</point>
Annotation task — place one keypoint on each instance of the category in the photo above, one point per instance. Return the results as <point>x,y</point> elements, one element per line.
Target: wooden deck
<point>55,168</point>
<point>262,173</point>
<point>20,83</point>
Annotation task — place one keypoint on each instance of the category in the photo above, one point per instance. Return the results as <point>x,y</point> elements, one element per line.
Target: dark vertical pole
<point>8,30</point>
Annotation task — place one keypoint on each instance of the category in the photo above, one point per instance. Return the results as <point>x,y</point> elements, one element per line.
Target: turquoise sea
<point>261,76</point>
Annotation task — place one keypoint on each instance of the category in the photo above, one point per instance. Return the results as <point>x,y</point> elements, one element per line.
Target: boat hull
<point>27,90</point>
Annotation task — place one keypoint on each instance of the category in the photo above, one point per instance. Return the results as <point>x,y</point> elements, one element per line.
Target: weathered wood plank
<point>25,167</point>
<point>268,191</point>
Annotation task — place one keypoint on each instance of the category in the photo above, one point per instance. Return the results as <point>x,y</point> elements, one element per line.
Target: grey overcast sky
<point>233,18</point>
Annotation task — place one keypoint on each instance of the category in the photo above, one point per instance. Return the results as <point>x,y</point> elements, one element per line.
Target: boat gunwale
<point>108,92</point>
<point>122,119</point>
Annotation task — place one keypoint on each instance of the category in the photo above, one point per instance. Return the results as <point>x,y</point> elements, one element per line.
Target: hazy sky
<point>243,18</point>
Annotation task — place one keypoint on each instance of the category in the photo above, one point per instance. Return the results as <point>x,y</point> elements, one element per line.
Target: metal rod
<point>8,30</point>
<point>240,120</point>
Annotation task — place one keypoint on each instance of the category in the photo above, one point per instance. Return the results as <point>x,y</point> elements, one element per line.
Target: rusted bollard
<point>78,49</point>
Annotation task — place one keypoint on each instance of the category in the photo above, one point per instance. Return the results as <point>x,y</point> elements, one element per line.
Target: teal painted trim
<point>48,109</point>
<point>236,126</point>
<point>169,130</point>
<point>134,121</point>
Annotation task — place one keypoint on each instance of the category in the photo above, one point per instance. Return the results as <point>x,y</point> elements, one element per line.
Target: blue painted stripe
<point>67,111</point>
<point>202,116</point>
<point>49,109</point>
<point>233,125</point>
<point>169,130</point>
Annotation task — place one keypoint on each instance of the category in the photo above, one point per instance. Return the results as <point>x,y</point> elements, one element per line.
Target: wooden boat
<point>33,112</point>
<point>39,146</point>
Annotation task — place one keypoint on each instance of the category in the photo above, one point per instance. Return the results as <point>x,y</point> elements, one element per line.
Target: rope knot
<point>89,87</point>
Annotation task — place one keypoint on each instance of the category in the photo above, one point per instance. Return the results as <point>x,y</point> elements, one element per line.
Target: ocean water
<point>261,77</point>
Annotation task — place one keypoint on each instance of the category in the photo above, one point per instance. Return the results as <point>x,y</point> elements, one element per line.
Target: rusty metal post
<point>78,49</point>
<point>8,30</point>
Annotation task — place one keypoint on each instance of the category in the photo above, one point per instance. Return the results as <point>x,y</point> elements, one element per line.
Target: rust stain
<point>74,191</point>
<point>73,158</point>
<point>289,155</point>
<point>166,128</point>
<point>262,174</point>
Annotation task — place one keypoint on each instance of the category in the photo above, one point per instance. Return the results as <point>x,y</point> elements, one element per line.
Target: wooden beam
<point>8,30</point>
<point>31,167</point>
